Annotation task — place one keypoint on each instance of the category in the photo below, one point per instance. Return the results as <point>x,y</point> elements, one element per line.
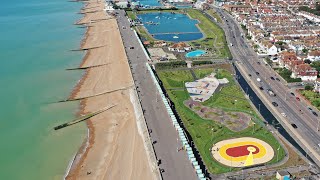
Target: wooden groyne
<point>106,92</point>
<point>82,118</point>
<point>87,67</point>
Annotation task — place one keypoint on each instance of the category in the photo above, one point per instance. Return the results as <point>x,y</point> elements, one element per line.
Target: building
<point>283,175</point>
<point>314,55</point>
<point>180,47</point>
<point>305,72</point>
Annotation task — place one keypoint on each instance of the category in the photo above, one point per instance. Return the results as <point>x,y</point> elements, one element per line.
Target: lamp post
<point>278,152</point>
<point>253,127</point>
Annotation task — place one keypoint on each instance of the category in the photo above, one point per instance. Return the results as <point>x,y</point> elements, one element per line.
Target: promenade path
<point>175,164</point>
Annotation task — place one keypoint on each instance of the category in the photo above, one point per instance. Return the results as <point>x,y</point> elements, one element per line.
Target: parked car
<point>294,126</point>
<point>258,79</point>
<point>257,73</point>
<point>292,94</point>
<point>275,104</point>
<point>297,98</point>
<point>272,78</point>
<point>277,79</point>
<point>310,108</point>
<point>258,62</point>
<point>249,75</point>
<point>314,113</point>
<point>261,87</point>
<point>284,114</point>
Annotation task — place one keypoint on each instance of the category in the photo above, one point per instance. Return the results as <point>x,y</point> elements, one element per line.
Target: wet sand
<point>116,149</point>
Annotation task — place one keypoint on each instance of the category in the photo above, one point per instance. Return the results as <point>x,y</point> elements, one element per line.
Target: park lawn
<point>131,15</point>
<point>206,132</point>
<point>201,73</point>
<point>175,79</point>
<point>313,97</point>
<point>144,34</point>
<point>214,34</point>
<point>214,14</point>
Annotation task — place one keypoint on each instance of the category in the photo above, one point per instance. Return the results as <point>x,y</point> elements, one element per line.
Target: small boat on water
<point>175,37</point>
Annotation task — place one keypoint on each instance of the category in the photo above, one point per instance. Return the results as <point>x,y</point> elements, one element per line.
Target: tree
<point>307,61</point>
<point>305,50</point>
<point>308,87</point>
<point>316,64</point>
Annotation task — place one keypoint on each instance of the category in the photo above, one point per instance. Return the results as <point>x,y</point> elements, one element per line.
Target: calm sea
<point>36,38</point>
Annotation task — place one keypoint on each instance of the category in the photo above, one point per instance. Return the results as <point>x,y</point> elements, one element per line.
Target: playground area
<point>235,121</point>
<point>242,152</point>
<point>202,89</point>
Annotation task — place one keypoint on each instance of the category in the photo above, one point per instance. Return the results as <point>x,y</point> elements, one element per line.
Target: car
<point>132,47</point>
<point>272,78</point>
<point>261,87</point>
<point>258,79</point>
<point>310,108</point>
<point>314,113</point>
<point>275,104</point>
<point>249,75</point>
<point>284,114</point>
<point>257,73</point>
<point>292,94</point>
<point>297,98</point>
<point>294,126</point>
<point>259,62</point>
<point>277,79</point>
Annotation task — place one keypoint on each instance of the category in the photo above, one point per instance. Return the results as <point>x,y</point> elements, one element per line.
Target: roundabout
<point>242,152</point>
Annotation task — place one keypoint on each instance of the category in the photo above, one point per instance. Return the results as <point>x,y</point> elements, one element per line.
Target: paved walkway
<point>175,164</point>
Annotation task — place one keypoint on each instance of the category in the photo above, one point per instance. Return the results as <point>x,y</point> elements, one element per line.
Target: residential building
<point>314,55</point>
<point>305,72</point>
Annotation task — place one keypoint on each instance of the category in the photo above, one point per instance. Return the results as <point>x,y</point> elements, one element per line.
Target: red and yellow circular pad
<point>242,152</point>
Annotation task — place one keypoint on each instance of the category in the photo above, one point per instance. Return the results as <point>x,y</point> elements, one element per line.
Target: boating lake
<point>171,27</point>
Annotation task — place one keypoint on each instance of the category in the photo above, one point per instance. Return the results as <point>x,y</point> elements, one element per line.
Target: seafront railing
<point>175,123</point>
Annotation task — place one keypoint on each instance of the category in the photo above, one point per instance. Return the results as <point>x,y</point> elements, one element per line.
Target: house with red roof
<point>305,72</point>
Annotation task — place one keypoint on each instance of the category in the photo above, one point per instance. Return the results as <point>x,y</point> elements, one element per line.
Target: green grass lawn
<point>214,34</point>
<point>175,79</point>
<point>143,33</point>
<point>131,15</point>
<point>201,73</point>
<point>206,132</point>
<point>313,97</point>
<point>214,14</point>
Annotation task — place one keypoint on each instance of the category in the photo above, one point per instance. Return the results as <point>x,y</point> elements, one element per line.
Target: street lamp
<point>253,127</point>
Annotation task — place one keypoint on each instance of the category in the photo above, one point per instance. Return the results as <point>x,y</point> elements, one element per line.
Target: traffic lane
<point>288,110</point>
<point>301,128</point>
<point>282,91</point>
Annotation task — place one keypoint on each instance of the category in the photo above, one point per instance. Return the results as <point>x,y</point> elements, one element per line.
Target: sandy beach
<point>116,149</point>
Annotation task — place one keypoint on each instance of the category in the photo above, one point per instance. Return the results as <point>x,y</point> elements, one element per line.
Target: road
<point>175,164</point>
<point>296,111</point>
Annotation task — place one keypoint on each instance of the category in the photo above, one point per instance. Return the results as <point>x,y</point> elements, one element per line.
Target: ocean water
<point>36,38</point>
<point>171,27</point>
